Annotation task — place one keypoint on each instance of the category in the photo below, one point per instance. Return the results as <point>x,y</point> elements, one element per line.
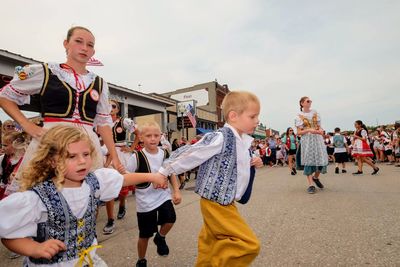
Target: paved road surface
<point>355,221</point>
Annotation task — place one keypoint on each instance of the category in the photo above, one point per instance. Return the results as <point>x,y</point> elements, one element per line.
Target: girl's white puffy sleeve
<point>20,213</point>
<point>110,181</point>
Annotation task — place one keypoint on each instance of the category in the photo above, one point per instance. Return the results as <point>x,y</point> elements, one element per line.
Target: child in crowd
<point>361,150</point>
<point>225,175</point>
<point>340,144</point>
<point>267,158</point>
<point>120,129</point>
<point>154,206</point>
<point>53,221</point>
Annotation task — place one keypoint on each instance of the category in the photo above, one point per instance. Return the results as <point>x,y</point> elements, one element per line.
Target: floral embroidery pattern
<point>77,233</point>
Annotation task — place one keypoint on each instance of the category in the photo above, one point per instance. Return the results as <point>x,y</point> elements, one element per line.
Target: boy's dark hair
<point>337,130</point>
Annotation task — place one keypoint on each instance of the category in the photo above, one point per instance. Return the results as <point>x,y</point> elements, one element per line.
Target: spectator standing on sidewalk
<point>313,150</point>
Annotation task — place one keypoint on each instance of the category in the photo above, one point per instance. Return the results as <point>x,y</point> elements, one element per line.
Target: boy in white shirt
<point>153,206</point>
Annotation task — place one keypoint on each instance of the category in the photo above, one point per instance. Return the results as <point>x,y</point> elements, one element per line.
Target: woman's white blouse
<point>21,212</point>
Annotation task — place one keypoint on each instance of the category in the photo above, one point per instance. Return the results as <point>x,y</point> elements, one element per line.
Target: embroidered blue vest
<point>76,233</point>
<point>217,177</point>
<point>338,141</point>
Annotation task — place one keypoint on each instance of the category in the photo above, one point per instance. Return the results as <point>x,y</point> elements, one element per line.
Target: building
<point>206,99</point>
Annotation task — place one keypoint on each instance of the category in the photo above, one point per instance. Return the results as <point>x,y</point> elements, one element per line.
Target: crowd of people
<point>59,169</point>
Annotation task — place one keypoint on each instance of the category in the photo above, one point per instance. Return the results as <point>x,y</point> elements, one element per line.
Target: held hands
<point>256,162</point>
<point>320,132</point>
<point>48,249</point>
<point>159,181</point>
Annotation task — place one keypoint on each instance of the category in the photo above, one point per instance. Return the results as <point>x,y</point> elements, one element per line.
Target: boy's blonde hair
<point>238,101</point>
<point>149,124</point>
<point>48,161</point>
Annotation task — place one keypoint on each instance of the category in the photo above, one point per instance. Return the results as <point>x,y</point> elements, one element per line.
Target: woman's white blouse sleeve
<point>27,81</point>
<point>20,213</point>
<point>298,122</point>
<point>110,182</point>
<point>103,109</point>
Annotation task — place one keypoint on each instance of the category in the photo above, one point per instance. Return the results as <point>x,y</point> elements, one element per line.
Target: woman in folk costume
<point>361,149</point>
<point>313,151</point>
<point>64,94</point>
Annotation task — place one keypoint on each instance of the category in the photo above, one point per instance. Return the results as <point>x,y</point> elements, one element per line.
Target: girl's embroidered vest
<point>144,166</point>
<point>58,99</point>
<point>119,133</point>
<point>77,234</point>
<point>217,177</point>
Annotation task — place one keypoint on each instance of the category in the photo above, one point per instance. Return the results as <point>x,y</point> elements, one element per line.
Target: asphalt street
<point>354,221</point>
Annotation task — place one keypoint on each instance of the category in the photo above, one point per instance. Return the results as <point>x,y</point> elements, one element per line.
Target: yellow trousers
<point>225,238</point>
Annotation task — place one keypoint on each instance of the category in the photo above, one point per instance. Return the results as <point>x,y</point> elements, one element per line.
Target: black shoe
<point>182,185</point>
<point>357,173</point>
<point>109,228</point>
<point>162,247</point>
<point>311,189</point>
<point>337,170</point>
<point>318,183</point>
<point>121,213</point>
<point>375,171</point>
<point>294,170</point>
<point>293,173</point>
<point>141,263</point>
<point>344,171</point>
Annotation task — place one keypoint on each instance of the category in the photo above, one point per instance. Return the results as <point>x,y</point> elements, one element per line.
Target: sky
<point>344,55</point>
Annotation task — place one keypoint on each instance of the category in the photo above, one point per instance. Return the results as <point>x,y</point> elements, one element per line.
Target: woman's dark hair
<point>359,122</point>
<point>287,131</point>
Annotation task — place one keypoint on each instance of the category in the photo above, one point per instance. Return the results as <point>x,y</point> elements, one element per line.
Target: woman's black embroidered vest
<point>58,99</point>
<point>119,133</point>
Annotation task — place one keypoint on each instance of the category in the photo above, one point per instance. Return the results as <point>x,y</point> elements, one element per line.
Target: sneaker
<point>318,183</point>
<point>162,247</point>
<point>109,228</point>
<point>14,255</point>
<point>375,171</point>
<point>337,170</point>
<point>311,190</point>
<point>357,173</point>
<point>141,263</point>
<point>344,171</point>
<point>121,213</point>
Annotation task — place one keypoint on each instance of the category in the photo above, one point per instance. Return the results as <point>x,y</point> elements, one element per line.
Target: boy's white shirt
<point>149,198</point>
<point>199,153</point>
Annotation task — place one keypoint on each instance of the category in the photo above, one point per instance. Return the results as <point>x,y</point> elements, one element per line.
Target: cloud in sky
<point>343,54</point>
